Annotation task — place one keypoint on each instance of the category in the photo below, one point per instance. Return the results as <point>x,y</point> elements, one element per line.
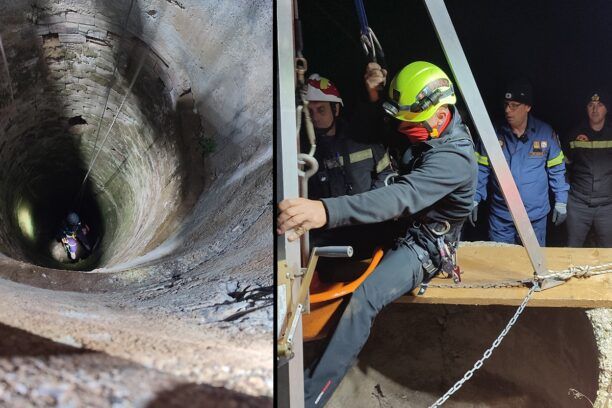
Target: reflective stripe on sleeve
<point>556,161</point>
<point>598,144</point>
<point>360,155</point>
<point>484,160</point>
<point>383,163</point>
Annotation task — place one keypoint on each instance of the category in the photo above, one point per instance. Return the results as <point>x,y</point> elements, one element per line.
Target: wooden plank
<point>487,264</point>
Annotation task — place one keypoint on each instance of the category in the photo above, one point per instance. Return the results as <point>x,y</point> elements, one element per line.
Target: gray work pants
<point>399,272</point>
<point>581,217</point>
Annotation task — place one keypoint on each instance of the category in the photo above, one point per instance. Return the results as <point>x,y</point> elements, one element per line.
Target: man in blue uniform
<point>590,197</point>
<point>425,209</point>
<point>534,155</point>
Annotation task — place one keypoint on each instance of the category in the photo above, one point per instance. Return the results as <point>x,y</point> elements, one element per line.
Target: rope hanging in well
<point>129,90</point>
<point>108,92</point>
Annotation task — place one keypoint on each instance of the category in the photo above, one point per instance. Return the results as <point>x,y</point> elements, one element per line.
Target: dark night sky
<point>563,47</point>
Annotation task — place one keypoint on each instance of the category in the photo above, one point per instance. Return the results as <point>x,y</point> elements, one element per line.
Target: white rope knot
<point>584,272</point>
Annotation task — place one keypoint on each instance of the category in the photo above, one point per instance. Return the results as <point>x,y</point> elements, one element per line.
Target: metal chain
<point>490,285</point>
<point>573,272</point>
<point>488,352</point>
<point>576,271</point>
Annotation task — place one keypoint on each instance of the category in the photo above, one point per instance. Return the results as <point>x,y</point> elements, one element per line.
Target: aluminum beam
<point>290,375</point>
<point>465,80</point>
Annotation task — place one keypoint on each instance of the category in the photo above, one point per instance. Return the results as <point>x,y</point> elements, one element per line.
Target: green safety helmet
<point>417,91</point>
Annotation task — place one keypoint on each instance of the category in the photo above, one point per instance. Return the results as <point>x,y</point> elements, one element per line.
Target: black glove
<point>473,217</point>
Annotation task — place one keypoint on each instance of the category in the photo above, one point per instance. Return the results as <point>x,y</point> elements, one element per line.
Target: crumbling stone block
<point>66,28</point>
<point>80,18</point>
<point>72,38</point>
<point>58,18</point>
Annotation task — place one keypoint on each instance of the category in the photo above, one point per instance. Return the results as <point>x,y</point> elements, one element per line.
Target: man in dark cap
<point>534,155</point>
<point>590,197</point>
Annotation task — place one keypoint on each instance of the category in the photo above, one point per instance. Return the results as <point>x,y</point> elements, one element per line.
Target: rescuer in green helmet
<point>423,211</point>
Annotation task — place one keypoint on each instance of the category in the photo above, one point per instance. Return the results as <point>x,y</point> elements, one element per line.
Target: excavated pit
<point>427,348</point>
<point>550,356</point>
<point>179,195</point>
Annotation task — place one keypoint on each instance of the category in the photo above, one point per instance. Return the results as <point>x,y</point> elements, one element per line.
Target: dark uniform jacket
<point>590,155</point>
<point>438,182</point>
<point>347,167</point>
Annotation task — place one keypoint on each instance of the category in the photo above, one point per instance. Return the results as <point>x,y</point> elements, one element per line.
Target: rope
<point>363,18</point>
<point>305,160</point>
<point>580,271</point>
<point>6,67</point>
<point>301,66</point>
<point>108,92</point>
<point>141,63</point>
<point>112,81</point>
<point>297,25</point>
<point>369,41</point>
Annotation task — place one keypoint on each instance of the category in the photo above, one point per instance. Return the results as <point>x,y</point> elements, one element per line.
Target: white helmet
<point>322,89</point>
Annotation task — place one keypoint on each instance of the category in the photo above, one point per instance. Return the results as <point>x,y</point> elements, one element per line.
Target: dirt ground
<point>70,347</point>
<point>35,371</point>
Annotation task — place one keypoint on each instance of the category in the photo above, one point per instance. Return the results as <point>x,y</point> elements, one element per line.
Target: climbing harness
<point>441,243</point>
<point>447,250</point>
<point>369,41</point>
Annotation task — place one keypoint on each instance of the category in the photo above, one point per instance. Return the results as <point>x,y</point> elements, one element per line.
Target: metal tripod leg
<point>465,80</point>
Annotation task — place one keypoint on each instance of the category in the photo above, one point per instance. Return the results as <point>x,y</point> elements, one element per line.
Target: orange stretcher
<point>327,297</point>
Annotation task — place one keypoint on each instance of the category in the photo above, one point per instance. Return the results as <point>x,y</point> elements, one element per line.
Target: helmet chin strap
<point>433,132</point>
<point>323,131</point>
